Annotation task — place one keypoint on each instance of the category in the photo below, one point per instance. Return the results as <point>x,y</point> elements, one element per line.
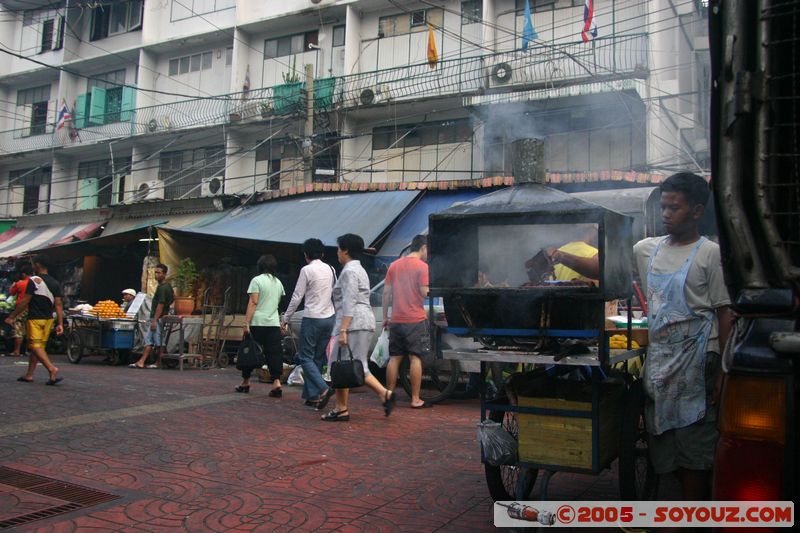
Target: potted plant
<point>266,109</point>
<point>185,277</point>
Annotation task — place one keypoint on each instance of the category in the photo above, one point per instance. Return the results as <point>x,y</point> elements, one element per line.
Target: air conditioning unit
<point>500,74</point>
<point>150,190</point>
<point>211,186</point>
<point>374,95</point>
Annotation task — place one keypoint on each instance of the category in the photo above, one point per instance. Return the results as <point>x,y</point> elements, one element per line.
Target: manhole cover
<point>74,496</point>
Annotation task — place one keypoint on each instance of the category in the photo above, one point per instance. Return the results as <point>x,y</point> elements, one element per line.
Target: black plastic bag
<point>499,446</point>
<point>250,354</point>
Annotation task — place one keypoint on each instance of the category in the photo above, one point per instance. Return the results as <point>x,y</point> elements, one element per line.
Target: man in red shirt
<point>405,290</point>
<point>20,323</point>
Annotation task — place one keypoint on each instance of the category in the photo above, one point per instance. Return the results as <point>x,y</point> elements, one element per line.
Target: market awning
<point>123,225</point>
<point>415,220</point>
<point>293,221</point>
<point>123,232</point>
<point>18,241</point>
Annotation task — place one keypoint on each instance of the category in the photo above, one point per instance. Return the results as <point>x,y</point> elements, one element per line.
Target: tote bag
<point>346,373</point>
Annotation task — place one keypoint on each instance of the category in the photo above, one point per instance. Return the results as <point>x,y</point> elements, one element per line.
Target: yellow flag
<point>433,55</point>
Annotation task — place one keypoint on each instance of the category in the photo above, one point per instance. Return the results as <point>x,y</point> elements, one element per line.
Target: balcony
<point>621,57</point>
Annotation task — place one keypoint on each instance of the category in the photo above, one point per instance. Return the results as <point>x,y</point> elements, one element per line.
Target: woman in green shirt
<point>263,322</point>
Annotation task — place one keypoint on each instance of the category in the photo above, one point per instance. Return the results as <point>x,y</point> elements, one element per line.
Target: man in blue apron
<point>689,321</point>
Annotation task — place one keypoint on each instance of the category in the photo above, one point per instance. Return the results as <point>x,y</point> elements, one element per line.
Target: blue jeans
<point>315,333</point>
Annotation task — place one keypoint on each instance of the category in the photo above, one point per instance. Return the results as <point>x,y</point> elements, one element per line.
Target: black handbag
<point>250,354</point>
<point>346,373</point>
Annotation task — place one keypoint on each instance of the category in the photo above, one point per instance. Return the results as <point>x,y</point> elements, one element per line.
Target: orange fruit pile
<point>107,309</point>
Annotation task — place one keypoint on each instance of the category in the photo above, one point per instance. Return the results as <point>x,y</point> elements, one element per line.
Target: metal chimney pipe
<point>528,161</point>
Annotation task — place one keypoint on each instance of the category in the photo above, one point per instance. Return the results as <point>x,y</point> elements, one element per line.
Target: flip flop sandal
<point>336,416</point>
<point>424,405</point>
<point>21,379</point>
<point>388,405</point>
<point>325,398</point>
<point>54,381</point>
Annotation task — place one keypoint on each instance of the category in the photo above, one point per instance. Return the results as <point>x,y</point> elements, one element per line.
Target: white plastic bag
<point>380,355</point>
<point>296,376</point>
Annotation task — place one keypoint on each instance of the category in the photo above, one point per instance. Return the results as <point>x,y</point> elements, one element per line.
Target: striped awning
<point>18,241</point>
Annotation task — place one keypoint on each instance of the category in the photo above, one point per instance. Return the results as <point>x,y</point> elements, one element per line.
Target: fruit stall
<point>103,329</point>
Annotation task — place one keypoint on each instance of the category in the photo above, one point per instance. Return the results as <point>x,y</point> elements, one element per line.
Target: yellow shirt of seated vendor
<point>578,249</point>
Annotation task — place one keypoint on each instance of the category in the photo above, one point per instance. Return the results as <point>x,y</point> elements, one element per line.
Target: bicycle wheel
<point>502,480</point>
<point>438,380</point>
<point>74,347</point>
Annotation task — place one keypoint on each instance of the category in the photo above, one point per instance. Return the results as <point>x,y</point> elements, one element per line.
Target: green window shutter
<point>87,193</point>
<point>128,104</point>
<point>81,110</point>
<point>97,107</point>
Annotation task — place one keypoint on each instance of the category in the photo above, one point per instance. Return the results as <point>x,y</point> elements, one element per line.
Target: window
<point>31,180</point>
<point>426,134</point>
<point>115,17</point>
<point>547,5</point>
<point>97,186</point>
<point>47,36</point>
<point>418,18</point>
<point>291,44</point>
<point>34,102</point>
<point>415,21</point>
<point>27,18</point>
<point>107,100</point>
<point>192,63</point>
<point>338,36</point>
<point>182,172</point>
<point>471,11</point>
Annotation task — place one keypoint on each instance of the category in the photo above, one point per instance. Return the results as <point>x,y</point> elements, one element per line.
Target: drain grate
<point>76,496</point>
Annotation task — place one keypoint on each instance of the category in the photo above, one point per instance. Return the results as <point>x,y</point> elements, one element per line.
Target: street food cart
<point>574,406</point>
<point>89,335</point>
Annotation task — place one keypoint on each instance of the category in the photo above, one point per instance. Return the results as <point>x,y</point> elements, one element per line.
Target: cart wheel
<point>169,363</point>
<point>115,358</point>
<point>223,360</point>
<point>637,479</point>
<point>502,480</point>
<point>74,347</point>
<point>438,380</point>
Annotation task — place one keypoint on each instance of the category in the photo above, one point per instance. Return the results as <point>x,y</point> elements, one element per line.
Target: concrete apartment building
<point>182,99</point>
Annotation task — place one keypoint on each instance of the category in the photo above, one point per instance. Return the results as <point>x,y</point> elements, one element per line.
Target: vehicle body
<point>756,184</point>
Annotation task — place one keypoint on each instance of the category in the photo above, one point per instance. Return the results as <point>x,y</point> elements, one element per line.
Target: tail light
<point>749,461</point>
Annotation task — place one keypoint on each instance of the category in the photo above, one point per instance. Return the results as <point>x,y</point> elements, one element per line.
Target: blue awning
<point>415,220</point>
<point>294,220</point>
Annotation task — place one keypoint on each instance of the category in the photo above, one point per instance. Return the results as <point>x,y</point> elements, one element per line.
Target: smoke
<point>505,123</point>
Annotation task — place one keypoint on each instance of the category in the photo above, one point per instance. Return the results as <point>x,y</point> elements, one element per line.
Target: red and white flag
<point>589,31</point>
<point>63,115</point>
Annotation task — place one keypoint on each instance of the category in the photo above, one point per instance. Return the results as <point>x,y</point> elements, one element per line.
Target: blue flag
<point>528,31</point>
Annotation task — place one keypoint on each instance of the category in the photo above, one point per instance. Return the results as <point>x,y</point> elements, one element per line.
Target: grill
<point>482,251</point>
<point>780,184</point>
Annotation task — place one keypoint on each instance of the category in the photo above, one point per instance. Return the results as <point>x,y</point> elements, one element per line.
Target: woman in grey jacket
<point>354,323</point>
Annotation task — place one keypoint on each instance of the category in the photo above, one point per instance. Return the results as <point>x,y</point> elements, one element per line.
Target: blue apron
<point>674,370</point>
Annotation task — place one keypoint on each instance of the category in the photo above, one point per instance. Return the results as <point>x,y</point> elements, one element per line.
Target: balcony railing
<point>616,57</point>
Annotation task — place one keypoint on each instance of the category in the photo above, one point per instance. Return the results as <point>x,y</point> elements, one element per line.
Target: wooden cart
<point>571,414</point>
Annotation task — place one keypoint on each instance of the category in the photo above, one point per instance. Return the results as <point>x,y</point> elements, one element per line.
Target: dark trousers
<point>269,337</point>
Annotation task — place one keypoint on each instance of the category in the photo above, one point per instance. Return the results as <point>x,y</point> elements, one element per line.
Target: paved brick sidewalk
<point>185,453</point>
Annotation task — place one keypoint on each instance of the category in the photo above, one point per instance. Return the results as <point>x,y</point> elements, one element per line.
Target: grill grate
<point>76,496</point>
<point>782,187</point>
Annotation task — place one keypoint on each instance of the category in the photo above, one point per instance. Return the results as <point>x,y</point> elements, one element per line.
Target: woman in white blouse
<point>354,323</point>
